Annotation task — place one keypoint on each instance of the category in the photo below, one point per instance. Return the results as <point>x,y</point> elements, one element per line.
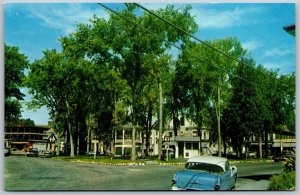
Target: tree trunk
<point>133,151</point>
<point>78,139</point>
<point>88,140</point>
<point>200,138</point>
<point>58,145</point>
<point>260,145</point>
<point>71,141</point>
<point>160,123</point>
<point>266,144</point>
<point>148,129</point>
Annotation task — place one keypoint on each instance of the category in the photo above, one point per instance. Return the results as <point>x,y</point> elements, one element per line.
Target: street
<point>31,173</point>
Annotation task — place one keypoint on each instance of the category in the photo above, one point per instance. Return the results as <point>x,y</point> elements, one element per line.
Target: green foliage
<point>290,162</point>
<point>109,71</point>
<point>15,64</point>
<point>284,181</point>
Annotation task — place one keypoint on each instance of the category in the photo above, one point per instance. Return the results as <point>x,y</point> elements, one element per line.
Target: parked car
<point>48,153</point>
<point>206,173</point>
<point>33,152</point>
<point>7,151</point>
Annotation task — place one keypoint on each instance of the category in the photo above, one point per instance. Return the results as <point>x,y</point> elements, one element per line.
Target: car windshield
<point>211,168</point>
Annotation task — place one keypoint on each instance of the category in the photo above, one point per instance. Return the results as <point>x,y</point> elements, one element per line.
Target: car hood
<point>196,180</point>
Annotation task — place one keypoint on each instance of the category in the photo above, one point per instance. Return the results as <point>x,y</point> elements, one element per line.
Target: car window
<point>211,168</point>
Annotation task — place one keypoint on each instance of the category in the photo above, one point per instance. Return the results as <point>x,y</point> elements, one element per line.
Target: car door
<point>228,177</point>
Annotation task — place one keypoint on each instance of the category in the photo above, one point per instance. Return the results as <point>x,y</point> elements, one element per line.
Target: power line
<point>277,14</point>
<point>291,11</point>
<point>256,33</point>
<point>196,38</point>
<point>136,24</point>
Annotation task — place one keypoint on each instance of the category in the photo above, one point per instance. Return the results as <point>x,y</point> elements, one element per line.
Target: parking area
<point>31,173</point>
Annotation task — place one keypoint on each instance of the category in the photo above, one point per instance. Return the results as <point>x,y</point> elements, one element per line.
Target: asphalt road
<point>31,173</point>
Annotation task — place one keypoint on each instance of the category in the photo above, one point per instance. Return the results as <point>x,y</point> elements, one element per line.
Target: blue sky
<point>34,27</point>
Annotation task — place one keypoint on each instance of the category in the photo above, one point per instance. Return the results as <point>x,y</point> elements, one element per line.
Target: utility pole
<point>219,122</point>
<point>160,123</point>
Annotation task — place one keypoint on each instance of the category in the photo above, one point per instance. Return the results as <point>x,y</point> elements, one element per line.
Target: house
<point>187,142</point>
<point>122,140</point>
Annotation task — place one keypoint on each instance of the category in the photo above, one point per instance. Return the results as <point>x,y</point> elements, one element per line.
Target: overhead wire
<point>256,33</point>
<point>277,14</point>
<point>199,40</point>
<point>290,10</point>
<point>174,45</point>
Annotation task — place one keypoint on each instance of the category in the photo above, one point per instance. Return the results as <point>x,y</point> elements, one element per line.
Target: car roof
<point>209,159</point>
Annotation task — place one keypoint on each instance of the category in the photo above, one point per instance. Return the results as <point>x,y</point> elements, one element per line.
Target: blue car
<point>206,173</point>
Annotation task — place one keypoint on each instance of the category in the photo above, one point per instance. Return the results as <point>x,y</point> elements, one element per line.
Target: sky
<point>35,27</point>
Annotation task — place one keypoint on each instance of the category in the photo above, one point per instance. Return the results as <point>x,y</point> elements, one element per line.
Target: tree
<point>204,79</point>
<point>128,46</point>
<point>60,91</point>
<point>15,65</point>
<point>221,70</point>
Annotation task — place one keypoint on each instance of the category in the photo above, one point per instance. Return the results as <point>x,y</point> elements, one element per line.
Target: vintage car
<point>33,152</point>
<point>206,173</point>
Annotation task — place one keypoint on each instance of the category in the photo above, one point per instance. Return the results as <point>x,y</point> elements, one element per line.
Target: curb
<point>127,164</point>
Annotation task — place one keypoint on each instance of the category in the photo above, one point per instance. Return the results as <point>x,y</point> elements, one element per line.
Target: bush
<point>290,162</point>
<point>284,181</point>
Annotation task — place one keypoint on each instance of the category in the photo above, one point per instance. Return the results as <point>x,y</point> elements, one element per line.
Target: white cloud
<point>277,52</point>
<point>251,45</point>
<point>214,18</point>
<point>64,16</point>
<point>283,67</point>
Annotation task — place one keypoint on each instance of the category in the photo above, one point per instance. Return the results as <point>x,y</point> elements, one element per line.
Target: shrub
<point>290,162</point>
<point>284,181</point>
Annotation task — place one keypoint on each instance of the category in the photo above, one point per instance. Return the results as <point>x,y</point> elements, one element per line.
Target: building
<point>22,138</point>
<point>122,140</point>
<point>187,142</point>
<point>277,142</point>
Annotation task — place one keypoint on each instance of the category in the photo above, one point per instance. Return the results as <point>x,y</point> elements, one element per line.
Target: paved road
<point>30,173</point>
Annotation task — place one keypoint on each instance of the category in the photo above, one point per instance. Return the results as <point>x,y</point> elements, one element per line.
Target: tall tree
<point>221,70</point>
<point>15,65</point>
<point>128,46</point>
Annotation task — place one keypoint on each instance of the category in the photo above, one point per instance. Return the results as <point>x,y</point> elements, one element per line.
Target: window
<point>211,168</point>
<point>188,146</point>
<point>195,146</point>
<point>182,121</point>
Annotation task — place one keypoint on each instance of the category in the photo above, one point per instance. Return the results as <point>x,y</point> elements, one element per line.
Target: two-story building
<point>187,142</point>
<point>122,140</point>
<point>23,137</point>
<point>278,141</point>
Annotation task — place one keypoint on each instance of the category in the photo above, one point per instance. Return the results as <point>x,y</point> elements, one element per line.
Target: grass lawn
<point>115,160</point>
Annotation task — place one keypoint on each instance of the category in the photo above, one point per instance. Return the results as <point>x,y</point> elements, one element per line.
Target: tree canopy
<point>110,70</point>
